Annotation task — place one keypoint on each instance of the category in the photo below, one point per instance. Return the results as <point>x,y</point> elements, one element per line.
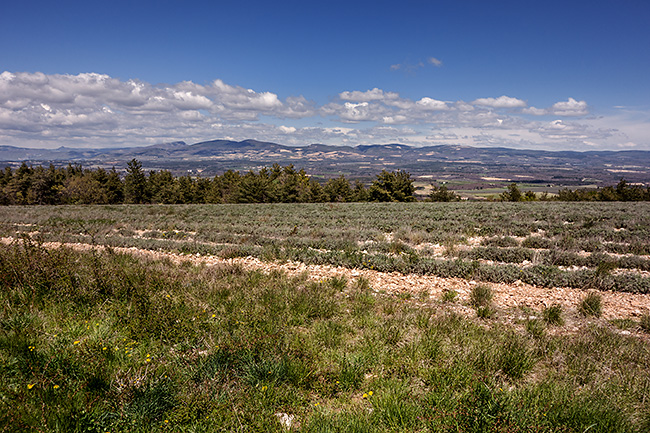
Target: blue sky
<point>542,75</point>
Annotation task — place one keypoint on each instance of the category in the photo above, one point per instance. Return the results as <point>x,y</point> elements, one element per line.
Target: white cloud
<point>435,62</point>
<point>431,104</point>
<point>89,109</point>
<point>367,96</point>
<point>355,112</point>
<point>571,107</point>
<point>535,111</point>
<point>500,102</point>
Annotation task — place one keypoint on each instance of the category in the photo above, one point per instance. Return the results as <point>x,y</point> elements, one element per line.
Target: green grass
<point>553,315</point>
<point>101,341</point>
<point>645,322</point>
<point>591,305</point>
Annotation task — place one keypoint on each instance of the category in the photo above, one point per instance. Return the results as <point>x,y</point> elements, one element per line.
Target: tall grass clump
<point>481,299</point>
<point>591,305</point>
<point>553,315</point>
<point>645,322</point>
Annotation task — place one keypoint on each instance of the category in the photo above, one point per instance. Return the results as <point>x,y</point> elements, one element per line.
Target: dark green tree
<point>339,189</point>
<point>43,188</point>
<point>135,183</point>
<point>163,187</point>
<point>530,196</point>
<point>392,186</point>
<point>114,187</point>
<point>360,191</point>
<point>255,188</point>
<point>512,193</point>
<point>442,194</point>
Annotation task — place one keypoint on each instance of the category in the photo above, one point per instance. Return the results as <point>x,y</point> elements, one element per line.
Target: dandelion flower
<point>364,395</point>
<point>56,386</point>
<point>370,393</point>
<point>30,385</point>
<point>76,342</point>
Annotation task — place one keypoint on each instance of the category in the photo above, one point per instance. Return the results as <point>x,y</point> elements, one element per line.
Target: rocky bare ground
<point>515,303</point>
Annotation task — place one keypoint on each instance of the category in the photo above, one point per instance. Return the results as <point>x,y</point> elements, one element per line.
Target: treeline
<point>623,191</point>
<point>76,185</point>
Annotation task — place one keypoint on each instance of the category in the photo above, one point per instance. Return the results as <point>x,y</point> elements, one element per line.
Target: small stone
<point>285,419</point>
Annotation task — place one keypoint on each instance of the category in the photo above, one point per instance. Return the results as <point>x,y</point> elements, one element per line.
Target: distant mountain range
<point>447,161</point>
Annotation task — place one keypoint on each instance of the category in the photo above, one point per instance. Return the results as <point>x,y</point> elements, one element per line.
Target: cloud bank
<point>96,110</point>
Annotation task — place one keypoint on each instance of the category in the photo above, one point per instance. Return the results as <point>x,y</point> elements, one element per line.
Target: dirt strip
<point>615,305</point>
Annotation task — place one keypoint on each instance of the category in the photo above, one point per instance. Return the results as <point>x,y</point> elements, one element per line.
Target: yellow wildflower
<point>76,342</point>
<point>56,386</point>
<point>30,385</point>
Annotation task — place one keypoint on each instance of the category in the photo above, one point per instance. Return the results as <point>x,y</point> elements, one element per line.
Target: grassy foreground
<point>105,342</point>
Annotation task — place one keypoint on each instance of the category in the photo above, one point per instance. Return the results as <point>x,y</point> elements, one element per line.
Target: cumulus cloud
<point>571,107</point>
<point>369,95</point>
<point>427,103</point>
<point>535,111</point>
<point>89,109</point>
<point>500,102</point>
<point>434,61</point>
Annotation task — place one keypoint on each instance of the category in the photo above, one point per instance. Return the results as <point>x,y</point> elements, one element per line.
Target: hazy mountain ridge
<point>216,156</point>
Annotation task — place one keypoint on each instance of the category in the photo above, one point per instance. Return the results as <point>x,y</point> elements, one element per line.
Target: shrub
<point>339,282</point>
<point>481,296</point>
<point>535,327</point>
<point>553,315</point>
<point>537,242</point>
<point>591,305</point>
<point>449,296</point>
<point>645,322</point>
<point>485,312</point>
<point>505,241</point>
